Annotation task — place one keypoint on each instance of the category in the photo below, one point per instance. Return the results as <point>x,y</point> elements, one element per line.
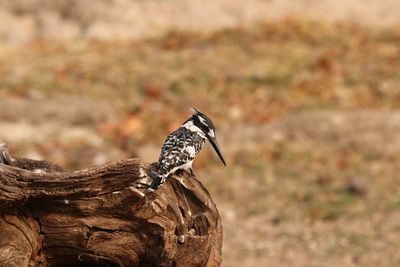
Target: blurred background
<point>305,96</point>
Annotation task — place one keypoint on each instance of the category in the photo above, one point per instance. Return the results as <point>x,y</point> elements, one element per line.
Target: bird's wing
<point>175,152</point>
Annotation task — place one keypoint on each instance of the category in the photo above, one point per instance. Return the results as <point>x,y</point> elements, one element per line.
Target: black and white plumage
<point>182,146</point>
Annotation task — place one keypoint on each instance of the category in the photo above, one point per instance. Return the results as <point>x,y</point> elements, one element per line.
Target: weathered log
<point>103,216</point>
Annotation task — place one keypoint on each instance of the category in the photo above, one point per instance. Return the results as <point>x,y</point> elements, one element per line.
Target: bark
<point>103,216</point>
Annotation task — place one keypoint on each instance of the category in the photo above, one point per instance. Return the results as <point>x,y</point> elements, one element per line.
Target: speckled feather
<point>178,152</point>
<point>179,149</point>
<point>182,146</point>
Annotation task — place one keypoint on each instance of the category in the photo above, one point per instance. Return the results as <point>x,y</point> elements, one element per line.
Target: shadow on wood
<point>103,216</point>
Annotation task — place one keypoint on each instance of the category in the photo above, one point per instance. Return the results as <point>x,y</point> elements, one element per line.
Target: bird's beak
<point>215,145</point>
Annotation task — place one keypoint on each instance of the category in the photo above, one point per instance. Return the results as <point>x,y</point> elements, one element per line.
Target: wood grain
<point>103,216</point>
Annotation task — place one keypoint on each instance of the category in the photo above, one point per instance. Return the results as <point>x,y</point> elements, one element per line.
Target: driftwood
<point>103,216</point>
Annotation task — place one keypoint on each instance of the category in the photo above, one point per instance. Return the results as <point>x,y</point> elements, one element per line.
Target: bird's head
<point>203,126</point>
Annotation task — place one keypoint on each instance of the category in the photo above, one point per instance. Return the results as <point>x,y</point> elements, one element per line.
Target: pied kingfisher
<point>182,146</point>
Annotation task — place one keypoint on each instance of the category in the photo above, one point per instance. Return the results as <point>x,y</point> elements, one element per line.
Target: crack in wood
<point>109,219</point>
<point>20,230</point>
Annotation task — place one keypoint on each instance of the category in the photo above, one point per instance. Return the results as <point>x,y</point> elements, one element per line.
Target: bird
<point>182,146</point>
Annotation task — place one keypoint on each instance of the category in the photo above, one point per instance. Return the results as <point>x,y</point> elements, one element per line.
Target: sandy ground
<point>267,212</point>
<point>22,21</point>
<point>248,240</point>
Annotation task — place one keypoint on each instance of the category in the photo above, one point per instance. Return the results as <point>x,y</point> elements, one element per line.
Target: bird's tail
<point>158,180</point>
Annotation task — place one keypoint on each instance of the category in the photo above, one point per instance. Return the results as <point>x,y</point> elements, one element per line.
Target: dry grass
<point>306,113</point>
